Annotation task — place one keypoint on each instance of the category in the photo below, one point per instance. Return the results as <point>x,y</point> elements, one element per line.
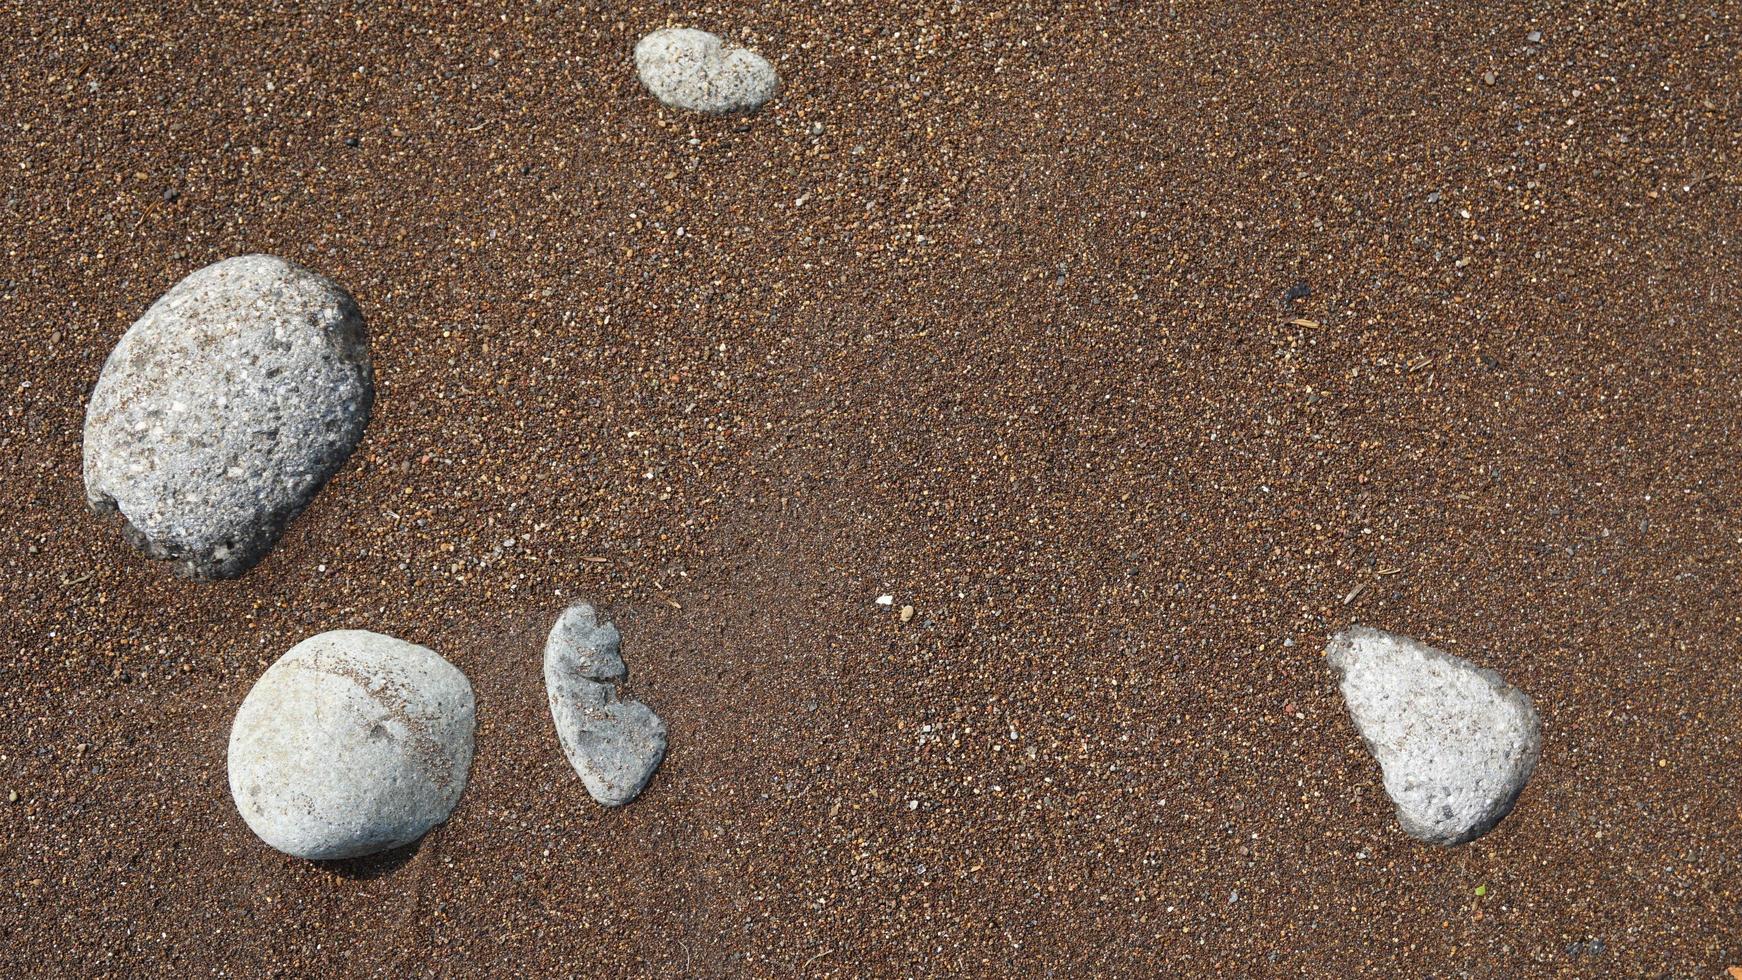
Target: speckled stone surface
<point>690,69</point>
<point>350,744</point>
<point>224,409</point>
<point>1456,742</point>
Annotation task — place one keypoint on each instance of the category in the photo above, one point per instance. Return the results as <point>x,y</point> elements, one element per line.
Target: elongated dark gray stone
<point>614,745</point>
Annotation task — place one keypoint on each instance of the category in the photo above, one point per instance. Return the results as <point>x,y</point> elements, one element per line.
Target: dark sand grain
<point>1007,341</point>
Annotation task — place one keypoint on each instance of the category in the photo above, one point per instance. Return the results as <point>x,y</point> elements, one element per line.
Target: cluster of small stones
<point>218,417</point>
<point>227,406</point>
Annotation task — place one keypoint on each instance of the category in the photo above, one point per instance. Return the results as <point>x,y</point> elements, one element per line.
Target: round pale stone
<point>352,743</point>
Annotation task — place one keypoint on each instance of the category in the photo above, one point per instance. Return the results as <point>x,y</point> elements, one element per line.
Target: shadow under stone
<point>373,865</point>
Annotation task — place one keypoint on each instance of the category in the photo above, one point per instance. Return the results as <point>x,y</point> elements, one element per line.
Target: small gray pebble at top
<point>224,409</point>
<point>690,69</point>
<point>350,744</point>
<point>1455,742</point>
<point>614,746</point>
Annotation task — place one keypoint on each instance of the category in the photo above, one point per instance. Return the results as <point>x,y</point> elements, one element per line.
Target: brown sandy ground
<point>986,312</point>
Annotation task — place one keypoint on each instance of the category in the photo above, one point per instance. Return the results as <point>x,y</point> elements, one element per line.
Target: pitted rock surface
<point>690,69</point>
<point>224,409</point>
<point>1455,742</point>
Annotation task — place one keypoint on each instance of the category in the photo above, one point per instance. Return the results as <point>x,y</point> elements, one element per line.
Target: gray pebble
<point>690,69</point>
<point>614,746</point>
<point>224,409</point>
<point>1455,742</point>
<point>350,744</point>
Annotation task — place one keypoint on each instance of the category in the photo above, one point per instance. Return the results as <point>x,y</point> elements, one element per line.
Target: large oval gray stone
<point>690,69</point>
<point>1455,742</point>
<point>223,410</point>
<point>352,743</point>
<point>614,745</point>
